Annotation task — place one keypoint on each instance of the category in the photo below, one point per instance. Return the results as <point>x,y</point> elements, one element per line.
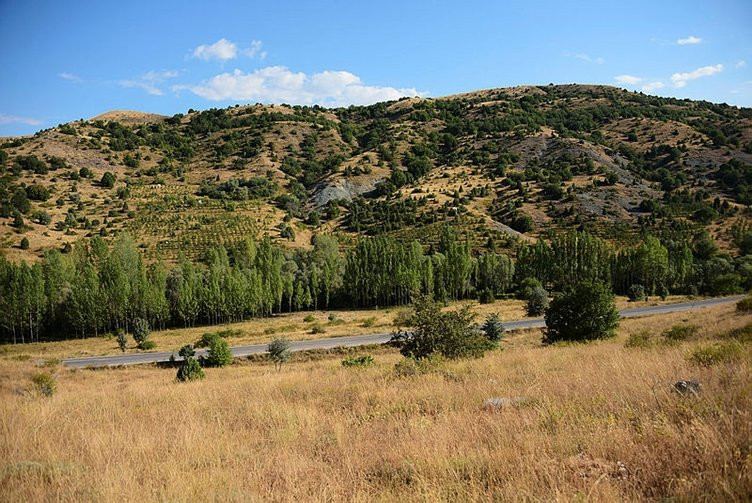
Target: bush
<point>526,287</point>
<point>358,361</point>
<point>493,328</point>
<point>403,319</point>
<point>44,383</point>
<point>744,305</point>
<point>680,332</point>
<point>309,318</point>
<point>449,334</point>
<point>147,345</point>
<point>190,370</point>
<point>642,339</point>
<point>24,243</point>
<point>486,296</point>
<point>187,351</point>
<point>219,354</point>
<point>636,293</point>
<point>140,332</point>
<point>207,338</point>
<point>121,340</point>
<point>368,322</point>
<point>727,351</point>
<point>108,180</point>
<point>585,313</point>
<point>410,367</point>
<point>279,351</point>
<point>317,329</point>
<point>537,301</point>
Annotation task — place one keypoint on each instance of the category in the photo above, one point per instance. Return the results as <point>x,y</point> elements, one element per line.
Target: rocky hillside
<point>502,164</point>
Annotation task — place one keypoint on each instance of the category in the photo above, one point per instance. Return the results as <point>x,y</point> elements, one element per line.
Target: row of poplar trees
<point>98,288</point>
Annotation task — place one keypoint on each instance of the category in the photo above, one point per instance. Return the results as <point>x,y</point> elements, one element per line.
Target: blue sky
<point>68,60</point>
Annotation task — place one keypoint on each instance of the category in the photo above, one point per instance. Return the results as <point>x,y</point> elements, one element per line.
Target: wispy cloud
<point>653,86</point>
<point>71,77</point>
<point>584,57</point>
<point>628,79</point>
<point>150,81</point>
<point>680,79</point>
<point>15,119</point>
<point>221,50</point>
<point>740,64</point>
<point>689,40</point>
<point>255,50</point>
<point>225,50</point>
<point>278,84</point>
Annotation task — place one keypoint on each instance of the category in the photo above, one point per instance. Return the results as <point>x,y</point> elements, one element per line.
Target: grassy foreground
<point>596,422</point>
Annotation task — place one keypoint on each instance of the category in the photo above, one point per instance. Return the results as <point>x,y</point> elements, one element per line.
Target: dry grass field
<point>594,422</point>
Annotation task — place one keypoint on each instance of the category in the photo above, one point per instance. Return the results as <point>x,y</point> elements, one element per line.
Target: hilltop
<point>505,165</point>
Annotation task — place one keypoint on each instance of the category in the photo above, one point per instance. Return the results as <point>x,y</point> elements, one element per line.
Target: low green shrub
<point>219,354</point>
<point>493,328</point>
<point>44,383</point>
<point>358,361</point>
<point>727,351</point>
<point>537,301</point>
<point>744,305</point>
<point>742,334</point>
<point>190,370</point>
<point>636,293</point>
<point>279,351</point>
<point>368,322</point>
<point>680,332</point>
<point>642,339</point>
<point>486,296</point>
<point>147,345</point>
<point>309,318</point>
<point>410,367</point>
<point>316,328</point>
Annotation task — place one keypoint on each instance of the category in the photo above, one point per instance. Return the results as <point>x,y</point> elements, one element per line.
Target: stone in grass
<point>687,388</point>
<point>498,403</point>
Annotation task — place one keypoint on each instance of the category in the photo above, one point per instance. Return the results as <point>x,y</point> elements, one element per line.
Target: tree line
<point>99,288</point>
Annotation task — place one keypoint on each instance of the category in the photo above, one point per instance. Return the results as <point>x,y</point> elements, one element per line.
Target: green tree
<point>219,354</point>
<point>584,313</point>
<point>449,334</point>
<point>279,351</point>
<point>537,301</point>
<point>493,328</point>
<point>108,180</point>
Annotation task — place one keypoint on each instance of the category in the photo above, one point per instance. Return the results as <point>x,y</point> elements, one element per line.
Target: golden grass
<point>599,422</point>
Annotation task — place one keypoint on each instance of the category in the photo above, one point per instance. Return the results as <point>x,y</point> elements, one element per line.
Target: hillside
<point>505,164</point>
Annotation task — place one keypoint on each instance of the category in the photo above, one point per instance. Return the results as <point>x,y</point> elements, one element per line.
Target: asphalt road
<point>361,340</point>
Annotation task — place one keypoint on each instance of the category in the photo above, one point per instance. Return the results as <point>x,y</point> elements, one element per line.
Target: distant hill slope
<point>503,164</point>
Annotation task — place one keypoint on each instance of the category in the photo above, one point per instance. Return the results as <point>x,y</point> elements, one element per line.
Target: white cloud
<point>627,79</point>
<point>740,64</point>
<point>680,79</point>
<point>689,40</point>
<point>255,50</point>
<point>15,119</point>
<point>150,80</point>
<point>71,76</point>
<point>222,50</point>
<point>278,84</point>
<point>653,86</point>
<point>585,57</point>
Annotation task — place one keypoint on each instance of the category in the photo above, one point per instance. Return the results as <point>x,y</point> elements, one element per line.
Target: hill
<point>502,164</point>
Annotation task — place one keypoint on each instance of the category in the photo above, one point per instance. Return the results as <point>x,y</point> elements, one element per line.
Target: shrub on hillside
<point>190,369</point>
<point>723,352</point>
<point>121,339</point>
<point>219,354</point>
<point>642,339</point>
<point>358,361</point>
<point>493,328</point>
<point>537,301</point>
<point>449,334</point>
<point>744,305</point>
<point>140,332</point>
<point>636,293</point>
<point>279,351</point>
<point>587,312</point>
<point>44,383</point>
<point>680,332</point>
<point>486,296</point>
<point>526,287</point>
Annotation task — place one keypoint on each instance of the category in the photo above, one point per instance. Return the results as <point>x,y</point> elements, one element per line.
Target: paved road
<point>360,340</point>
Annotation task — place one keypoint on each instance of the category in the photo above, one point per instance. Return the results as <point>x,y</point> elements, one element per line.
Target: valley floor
<point>593,422</point>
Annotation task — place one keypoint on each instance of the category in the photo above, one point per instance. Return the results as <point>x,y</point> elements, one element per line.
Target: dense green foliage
<point>586,312</point>
<point>219,353</point>
<point>448,334</point>
<point>279,351</point>
<point>493,328</point>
